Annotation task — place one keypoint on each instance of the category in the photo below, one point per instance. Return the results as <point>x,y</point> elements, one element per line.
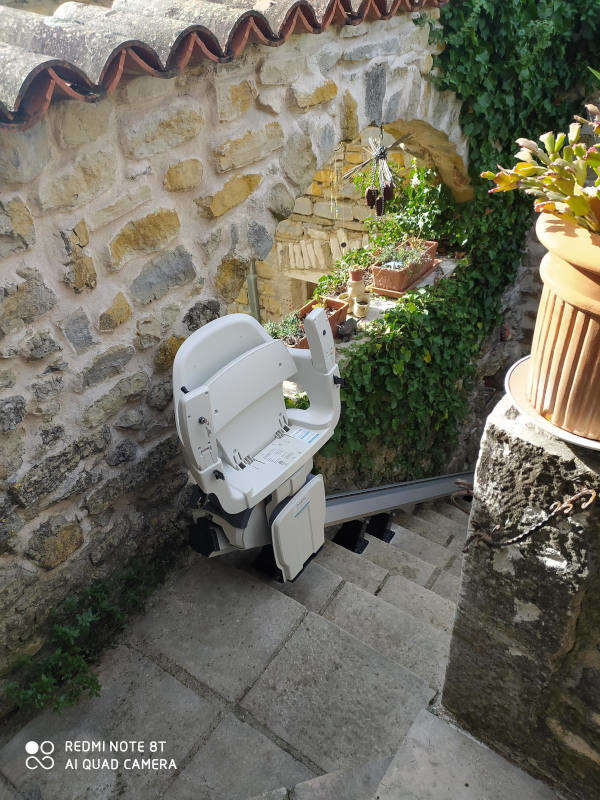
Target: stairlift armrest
<point>323,393</point>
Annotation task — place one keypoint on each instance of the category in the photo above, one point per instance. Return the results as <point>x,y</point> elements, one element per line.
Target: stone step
<point>423,604</point>
<point>412,643</point>
<point>455,529</point>
<point>451,511</point>
<point>430,530</point>
<point>398,561</point>
<point>356,783</point>
<point>439,762</point>
<point>419,546</point>
<point>369,569</point>
<point>447,585</point>
<point>333,698</point>
<point>351,567</point>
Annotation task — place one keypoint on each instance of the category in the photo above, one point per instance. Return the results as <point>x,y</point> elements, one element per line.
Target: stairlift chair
<point>252,457</point>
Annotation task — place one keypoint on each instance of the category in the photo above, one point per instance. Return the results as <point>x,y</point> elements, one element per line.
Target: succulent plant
<point>558,174</point>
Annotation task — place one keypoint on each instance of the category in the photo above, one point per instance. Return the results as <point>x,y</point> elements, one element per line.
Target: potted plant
<point>290,329</point>
<point>564,376</point>
<point>398,266</point>
<point>335,309</point>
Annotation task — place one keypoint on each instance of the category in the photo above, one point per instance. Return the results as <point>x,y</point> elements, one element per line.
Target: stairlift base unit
<point>250,455</point>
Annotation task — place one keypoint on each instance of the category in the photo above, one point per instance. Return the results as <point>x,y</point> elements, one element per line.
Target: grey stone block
<point>438,762</point>
<point>259,239</point>
<point>398,561</point>
<point>219,624</point>
<point>12,412</point>
<point>280,201</point>
<point>422,603</point>
<point>375,86</point>
<point>138,701</point>
<point>47,476</point>
<point>235,763</point>
<point>356,783</point>
<point>419,546</point>
<point>414,644</point>
<point>39,345</point>
<point>164,272</point>
<point>299,161</point>
<point>200,313</point>
<point>334,699</point>
<point>76,327</point>
<point>351,567</point>
<point>106,365</point>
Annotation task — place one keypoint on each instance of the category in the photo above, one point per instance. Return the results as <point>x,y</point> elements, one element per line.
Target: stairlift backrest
<point>211,348</point>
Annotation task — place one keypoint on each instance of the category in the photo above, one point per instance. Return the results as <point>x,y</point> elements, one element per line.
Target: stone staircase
<point>319,689</point>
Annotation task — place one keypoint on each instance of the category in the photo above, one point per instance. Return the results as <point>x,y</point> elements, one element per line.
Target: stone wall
<point>125,225</point>
<point>524,668</point>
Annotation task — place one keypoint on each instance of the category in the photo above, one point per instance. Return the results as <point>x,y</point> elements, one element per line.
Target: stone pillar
<point>524,668</point>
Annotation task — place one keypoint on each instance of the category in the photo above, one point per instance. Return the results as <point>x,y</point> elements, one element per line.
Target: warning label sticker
<point>286,449</point>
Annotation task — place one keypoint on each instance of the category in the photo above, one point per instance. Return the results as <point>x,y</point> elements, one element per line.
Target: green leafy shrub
<point>82,628</point>
<point>505,59</point>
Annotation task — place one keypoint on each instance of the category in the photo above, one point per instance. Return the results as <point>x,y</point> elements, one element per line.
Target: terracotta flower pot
<point>337,311</point>
<point>397,280</point>
<point>356,274</point>
<point>564,380</point>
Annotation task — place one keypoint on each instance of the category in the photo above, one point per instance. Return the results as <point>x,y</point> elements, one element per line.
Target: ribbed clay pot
<point>564,379</point>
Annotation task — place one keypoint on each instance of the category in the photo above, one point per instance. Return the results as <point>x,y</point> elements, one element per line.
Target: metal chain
<point>555,509</point>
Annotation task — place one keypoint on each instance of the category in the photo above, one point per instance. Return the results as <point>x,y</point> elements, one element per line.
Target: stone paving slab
<point>447,585</point>
<point>351,566</point>
<point>438,762</point>
<point>419,546</point>
<point>422,603</point>
<point>219,624</point>
<point>356,783</point>
<point>236,763</point>
<point>276,794</point>
<point>334,699</point>
<point>138,701</point>
<point>6,792</point>
<point>398,561</point>
<point>414,644</point>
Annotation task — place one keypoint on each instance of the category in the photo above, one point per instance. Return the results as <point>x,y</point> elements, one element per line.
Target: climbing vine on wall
<point>520,68</point>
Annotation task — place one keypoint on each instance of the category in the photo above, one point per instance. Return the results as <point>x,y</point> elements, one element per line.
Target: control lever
<point>320,340</point>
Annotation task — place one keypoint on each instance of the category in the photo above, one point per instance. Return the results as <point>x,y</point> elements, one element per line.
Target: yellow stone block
<point>165,355</point>
<point>254,145</point>
<point>145,234</point>
<point>116,314</point>
<point>349,118</point>
<point>183,176</point>
<point>322,94</point>
<point>234,192</point>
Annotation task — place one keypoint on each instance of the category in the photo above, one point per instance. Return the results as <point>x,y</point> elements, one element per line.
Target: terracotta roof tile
<point>82,51</point>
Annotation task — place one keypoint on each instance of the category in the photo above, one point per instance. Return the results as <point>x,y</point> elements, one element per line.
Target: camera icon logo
<point>45,760</point>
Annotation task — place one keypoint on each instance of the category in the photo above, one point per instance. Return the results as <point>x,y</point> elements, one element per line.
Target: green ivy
<point>81,629</point>
<point>520,69</point>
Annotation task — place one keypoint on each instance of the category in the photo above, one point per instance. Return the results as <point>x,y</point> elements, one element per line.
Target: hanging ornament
<point>383,181</point>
